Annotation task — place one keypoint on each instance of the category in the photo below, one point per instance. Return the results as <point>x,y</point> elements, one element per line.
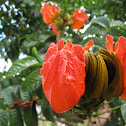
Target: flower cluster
<point>64,79</point>
<point>63,71</point>
<point>65,63</point>
<point>52,16</point>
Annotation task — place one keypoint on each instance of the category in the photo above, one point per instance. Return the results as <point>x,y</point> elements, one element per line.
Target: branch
<point>73,119</point>
<point>64,122</point>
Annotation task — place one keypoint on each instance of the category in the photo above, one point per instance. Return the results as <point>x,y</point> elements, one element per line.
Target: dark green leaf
<point>2,104</point>
<point>117,32</point>
<point>29,43</point>
<point>123,111</point>
<point>97,41</point>
<point>26,96</point>
<point>30,117</point>
<point>47,110</point>
<point>102,21</point>
<point>3,118</point>
<point>21,65</point>
<point>116,23</point>
<point>15,117</point>
<point>43,37</point>
<point>7,95</point>
<point>32,81</point>
<point>10,94</point>
<point>94,30</point>
<point>5,83</point>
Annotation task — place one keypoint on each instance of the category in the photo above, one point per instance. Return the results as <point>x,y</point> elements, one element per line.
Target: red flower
<point>120,49</point>
<point>79,19</point>
<point>63,75</point>
<point>48,12</point>
<point>53,26</point>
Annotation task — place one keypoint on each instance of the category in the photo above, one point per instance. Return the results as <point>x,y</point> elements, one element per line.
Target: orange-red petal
<point>88,45</point>
<point>53,49</point>
<point>110,44</point>
<point>116,47</point>
<point>79,19</point>
<point>79,52</point>
<point>63,80</point>
<point>76,49</point>
<point>63,75</point>
<point>121,54</point>
<point>53,26</point>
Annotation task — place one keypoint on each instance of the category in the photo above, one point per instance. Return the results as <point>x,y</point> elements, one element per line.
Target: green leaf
<point>116,23</point>
<point>29,43</point>
<point>15,117</point>
<point>47,110</point>
<point>117,32</point>
<point>33,81</point>
<point>102,21</point>
<point>21,65</point>
<point>97,41</point>
<point>26,96</point>
<point>31,117</point>
<point>10,94</point>
<point>7,95</point>
<point>3,118</point>
<point>94,30</point>
<point>123,111</point>
<point>43,37</point>
<point>2,104</point>
<point>5,83</point>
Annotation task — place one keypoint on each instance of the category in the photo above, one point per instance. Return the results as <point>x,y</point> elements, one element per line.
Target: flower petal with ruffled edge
<point>79,19</point>
<point>53,26</point>
<point>110,44</point>
<point>48,12</point>
<point>121,54</point>
<point>88,45</point>
<point>63,75</point>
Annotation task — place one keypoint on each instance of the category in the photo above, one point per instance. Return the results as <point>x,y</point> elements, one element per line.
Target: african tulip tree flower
<point>79,18</point>
<point>63,75</point>
<point>48,12</point>
<point>120,50</point>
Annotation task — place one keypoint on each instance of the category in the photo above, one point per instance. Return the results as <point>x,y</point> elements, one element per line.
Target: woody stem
<point>96,115</point>
<point>58,36</point>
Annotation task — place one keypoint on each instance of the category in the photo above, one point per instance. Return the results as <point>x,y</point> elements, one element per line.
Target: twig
<point>58,36</point>
<point>73,119</point>
<point>99,121</point>
<point>68,124</point>
<point>64,122</point>
<point>95,115</point>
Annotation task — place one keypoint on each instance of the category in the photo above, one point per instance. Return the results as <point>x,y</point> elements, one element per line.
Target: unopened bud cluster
<point>104,80</point>
<point>58,20</point>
